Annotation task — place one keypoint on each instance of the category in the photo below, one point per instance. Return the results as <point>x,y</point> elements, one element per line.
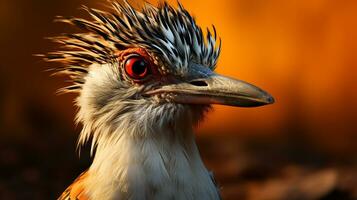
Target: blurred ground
<point>302,52</point>
<point>257,170</point>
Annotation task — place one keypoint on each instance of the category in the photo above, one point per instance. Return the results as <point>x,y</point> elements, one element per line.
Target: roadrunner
<point>145,78</point>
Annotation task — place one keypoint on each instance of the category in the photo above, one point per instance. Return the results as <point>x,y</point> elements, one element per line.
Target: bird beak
<point>215,89</point>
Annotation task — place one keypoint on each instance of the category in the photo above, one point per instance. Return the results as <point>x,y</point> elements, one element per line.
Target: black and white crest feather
<point>169,32</point>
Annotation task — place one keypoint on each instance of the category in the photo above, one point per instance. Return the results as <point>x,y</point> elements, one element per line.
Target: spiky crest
<point>171,33</point>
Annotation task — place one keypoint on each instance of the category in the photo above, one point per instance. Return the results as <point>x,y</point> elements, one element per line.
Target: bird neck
<point>162,163</point>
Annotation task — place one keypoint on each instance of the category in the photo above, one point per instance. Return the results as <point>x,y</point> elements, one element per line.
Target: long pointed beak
<point>216,89</point>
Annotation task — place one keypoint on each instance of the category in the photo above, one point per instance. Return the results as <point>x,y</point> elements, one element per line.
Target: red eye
<point>136,67</point>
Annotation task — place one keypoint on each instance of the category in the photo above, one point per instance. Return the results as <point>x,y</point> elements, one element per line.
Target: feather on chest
<point>149,169</point>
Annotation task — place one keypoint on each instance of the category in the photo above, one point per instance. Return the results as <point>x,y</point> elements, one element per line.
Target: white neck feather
<point>164,164</point>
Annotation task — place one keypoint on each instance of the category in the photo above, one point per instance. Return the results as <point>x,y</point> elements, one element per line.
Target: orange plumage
<point>76,190</point>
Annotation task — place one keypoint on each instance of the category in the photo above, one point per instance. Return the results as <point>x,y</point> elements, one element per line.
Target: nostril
<point>199,83</point>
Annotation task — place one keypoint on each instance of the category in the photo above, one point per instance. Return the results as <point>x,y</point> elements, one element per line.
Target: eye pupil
<point>139,67</point>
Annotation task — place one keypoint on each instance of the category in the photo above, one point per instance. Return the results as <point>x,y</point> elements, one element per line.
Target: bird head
<point>148,68</point>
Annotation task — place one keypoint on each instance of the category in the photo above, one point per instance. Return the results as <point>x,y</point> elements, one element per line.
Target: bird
<point>145,78</point>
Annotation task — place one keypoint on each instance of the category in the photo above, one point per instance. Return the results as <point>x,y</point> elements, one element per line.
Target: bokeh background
<point>302,147</point>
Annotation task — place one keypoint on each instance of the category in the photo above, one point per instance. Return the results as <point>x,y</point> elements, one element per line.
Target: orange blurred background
<point>304,53</point>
